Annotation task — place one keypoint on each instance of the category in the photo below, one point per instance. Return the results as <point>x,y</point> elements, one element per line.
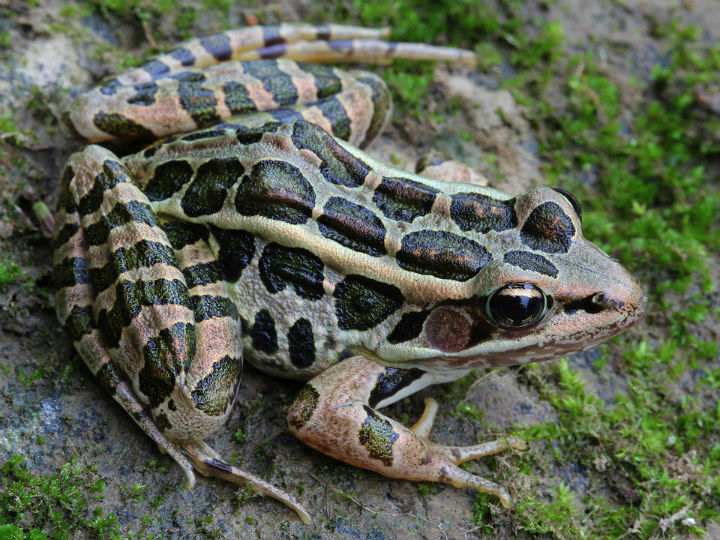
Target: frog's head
<point>547,292</point>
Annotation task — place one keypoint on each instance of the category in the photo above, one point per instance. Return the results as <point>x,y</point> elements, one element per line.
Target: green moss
<point>207,526</point>
<point>10,272</point>
<point>544,48</point>
<point>426,488</point>
<point>245,494</point>
<point>483,513</point>
<point>69,10</point>
<point>185,17</point>
<point>27,379</point>
<point>57,504</point>
<point>240,436</point>
<point>7,125</point>
<point>476,414</point>
<point>557,515</point>
<point>409,87</point>
<point>415,20</point>
<point>637,439</point>
<point>488,56</point>
<point>183,14</point>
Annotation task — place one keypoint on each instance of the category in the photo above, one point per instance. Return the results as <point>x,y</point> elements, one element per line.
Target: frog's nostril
<point>595,303</point>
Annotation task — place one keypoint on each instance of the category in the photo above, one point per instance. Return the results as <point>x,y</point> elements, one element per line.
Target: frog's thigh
<point>96,207</point>
<point>124,297</point>
<point>352,105</point>
<point>357,113</point>
<point>334,414</point>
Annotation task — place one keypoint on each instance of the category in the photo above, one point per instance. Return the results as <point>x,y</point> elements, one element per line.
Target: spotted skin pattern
<point>265,234</point>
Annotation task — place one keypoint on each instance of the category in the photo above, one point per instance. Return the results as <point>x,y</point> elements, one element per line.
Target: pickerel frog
<point>266,234</point>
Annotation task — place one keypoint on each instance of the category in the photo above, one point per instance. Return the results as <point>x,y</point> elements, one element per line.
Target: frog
<point>253,227</point>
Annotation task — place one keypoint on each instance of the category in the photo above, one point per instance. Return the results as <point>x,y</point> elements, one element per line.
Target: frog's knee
<point>192,415</point>
<point>382,105</point>
<point>303,409</point>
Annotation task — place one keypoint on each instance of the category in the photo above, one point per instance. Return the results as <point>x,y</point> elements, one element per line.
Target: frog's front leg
<point>335,414</point>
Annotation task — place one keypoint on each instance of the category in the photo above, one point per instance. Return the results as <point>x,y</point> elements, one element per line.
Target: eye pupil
<point>517,306</point>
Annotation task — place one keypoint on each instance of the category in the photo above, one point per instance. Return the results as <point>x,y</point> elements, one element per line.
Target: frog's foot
<point>124,395</point>
<point>438,167</point>
<point>333,414</point>
<point>303,42</point>
<point>461,454</point>
<point>208,462</point>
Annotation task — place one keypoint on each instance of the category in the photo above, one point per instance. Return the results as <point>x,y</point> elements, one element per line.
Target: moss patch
<point>35,507</point>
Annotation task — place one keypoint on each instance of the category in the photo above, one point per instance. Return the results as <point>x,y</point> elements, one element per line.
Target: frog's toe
<point>460,478</point>
<point>209,463</point>
<point>461,454</point>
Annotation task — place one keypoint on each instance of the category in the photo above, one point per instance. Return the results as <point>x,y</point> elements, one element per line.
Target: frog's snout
<point>622,301</point>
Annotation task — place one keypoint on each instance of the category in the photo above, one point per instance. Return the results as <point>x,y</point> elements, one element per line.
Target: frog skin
<point>270,236</point>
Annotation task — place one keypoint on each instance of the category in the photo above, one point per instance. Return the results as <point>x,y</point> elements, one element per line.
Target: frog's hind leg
<point>353,106</point>
<point>149,309</point>
<point>82,273</point>
<point>357,113</point>
<point>239,44</point>
<point>335,413</point>
<point>209,463</point>
<point>370,51</point>
<point>207,80</point>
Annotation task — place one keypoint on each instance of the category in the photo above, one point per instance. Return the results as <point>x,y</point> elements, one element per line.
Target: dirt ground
<point>53,412</point>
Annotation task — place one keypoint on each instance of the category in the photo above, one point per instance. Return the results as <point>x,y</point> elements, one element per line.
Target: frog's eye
<point>572,200</point>
<point>517,306</point>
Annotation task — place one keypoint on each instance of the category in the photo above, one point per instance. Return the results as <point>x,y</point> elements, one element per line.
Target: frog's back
<point>331,253</point>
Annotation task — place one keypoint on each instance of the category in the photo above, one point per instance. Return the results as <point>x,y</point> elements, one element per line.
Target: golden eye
<point>517,306</point>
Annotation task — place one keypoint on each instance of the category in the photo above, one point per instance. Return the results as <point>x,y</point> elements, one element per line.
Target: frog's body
<point>265,238</point>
